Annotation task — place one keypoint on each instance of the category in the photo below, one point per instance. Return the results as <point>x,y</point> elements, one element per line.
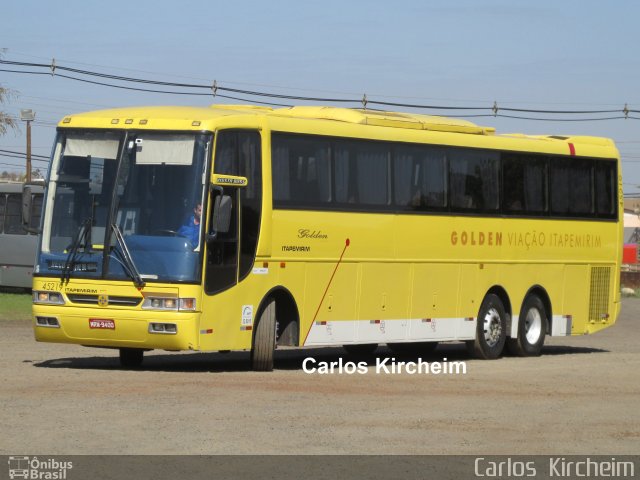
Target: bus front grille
<point>599,294</point>
<point>112,300</point>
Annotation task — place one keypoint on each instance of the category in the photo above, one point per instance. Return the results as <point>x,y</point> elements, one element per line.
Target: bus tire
<point>532,327</point>
<point>131,357</point>
<point>264,339</point>
<point>413,347</point>
<point>361,349</point>
<point>491,329</point>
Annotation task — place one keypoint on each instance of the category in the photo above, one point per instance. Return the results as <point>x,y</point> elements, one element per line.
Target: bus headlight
<point>169,303</point>
<point>188,304</point>
<point>54,298</point>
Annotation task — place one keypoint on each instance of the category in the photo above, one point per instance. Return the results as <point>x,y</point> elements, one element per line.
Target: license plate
<point>103,323</point>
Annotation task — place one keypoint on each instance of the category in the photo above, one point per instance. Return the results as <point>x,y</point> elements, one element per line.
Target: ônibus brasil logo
<point>34,468</point>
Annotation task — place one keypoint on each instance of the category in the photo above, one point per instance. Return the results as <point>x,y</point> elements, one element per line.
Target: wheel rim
<point>492,327</point>
<point>533,325</point>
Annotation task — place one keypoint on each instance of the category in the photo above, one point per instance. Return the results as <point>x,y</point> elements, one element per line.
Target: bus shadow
<point>187,362</point>
<point>285,359</point>
<point>570,350</point>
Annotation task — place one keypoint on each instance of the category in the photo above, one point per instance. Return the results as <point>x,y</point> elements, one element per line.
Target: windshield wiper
<point>84,233</point>
<point>130,266</point>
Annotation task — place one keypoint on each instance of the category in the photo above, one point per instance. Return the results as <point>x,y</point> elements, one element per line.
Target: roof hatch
<point>385,119</point>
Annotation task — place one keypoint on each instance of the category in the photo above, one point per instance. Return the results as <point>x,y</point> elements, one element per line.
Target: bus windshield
<point>125,205</point>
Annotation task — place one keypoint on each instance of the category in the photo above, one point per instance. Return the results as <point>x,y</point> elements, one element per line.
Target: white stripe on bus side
<point>344,332</point>
<point>561,325</point>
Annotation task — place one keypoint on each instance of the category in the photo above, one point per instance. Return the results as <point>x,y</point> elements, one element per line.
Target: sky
<point>543,55</point>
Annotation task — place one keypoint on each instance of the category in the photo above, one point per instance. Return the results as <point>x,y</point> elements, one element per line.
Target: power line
<point>213,90</point>
<point>148,90</point>
<point>568,119</point>
<point>189,77</point>
<point>32,147</point>
<point>33,155</point>
<point>280,87</point>
<point>16,167</point>
<point>4,155</point>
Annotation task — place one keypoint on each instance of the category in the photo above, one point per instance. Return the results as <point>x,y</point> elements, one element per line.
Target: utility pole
<point>28,115</point>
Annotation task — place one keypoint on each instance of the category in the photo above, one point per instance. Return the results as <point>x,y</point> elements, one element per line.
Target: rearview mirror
<point>221,221</point>
<point>222,214</point>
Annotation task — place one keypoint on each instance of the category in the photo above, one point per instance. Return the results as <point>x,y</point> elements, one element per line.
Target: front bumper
<point>131,327</point>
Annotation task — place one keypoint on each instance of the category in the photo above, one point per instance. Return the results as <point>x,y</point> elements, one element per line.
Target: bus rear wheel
<point>131,357</point>
<point>264,339</point>
<point>491,329</point>
<point>532,327</point>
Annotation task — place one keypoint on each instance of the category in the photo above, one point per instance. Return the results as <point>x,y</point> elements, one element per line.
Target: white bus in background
<point>17,245</point>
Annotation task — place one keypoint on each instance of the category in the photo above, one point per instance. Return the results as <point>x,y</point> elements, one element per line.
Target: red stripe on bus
<point>572,149</point>
<point>346,244</point>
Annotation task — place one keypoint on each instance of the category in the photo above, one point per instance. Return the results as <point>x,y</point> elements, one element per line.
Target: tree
<point>6,121</point>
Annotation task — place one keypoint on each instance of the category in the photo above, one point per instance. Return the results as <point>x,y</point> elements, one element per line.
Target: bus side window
<point>373,164</point>
<point>474,180</point>
<point>13,218</point>
<point>3,203</point>
<point>420,178</point>
<point>570,187</point>
<point>525,184</point>
<point>361,174</point>
<point>36,210</point>
<point>301,171</point>
<point>345,173</point>
<point>605,183</point>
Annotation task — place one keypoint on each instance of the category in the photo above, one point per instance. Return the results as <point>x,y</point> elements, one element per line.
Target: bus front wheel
<point>131,357</point>
<point>531,329</point>
<point>491,329</point>
<point>264,339</point>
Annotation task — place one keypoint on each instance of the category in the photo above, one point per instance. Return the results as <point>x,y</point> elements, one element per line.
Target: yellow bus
<point>249,228</point>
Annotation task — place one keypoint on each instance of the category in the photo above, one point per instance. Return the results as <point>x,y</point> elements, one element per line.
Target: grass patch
<point>15,306</point>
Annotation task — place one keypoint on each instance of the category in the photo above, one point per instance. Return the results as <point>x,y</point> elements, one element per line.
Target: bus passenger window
<point>301,175</point>
<point>525,184</point>
<point>372,182</point>
<point>605,183</point>
<point>13,218</point>
<point>3,203</point>
<point>420,178</point>
<point>36,210</point>
<point>570,187</point>
<point>474,180</point>
<point>361,173</point>
<point>345,173</point>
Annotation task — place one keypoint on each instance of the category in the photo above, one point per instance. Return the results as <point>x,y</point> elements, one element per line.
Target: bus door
<point>231,253</point>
